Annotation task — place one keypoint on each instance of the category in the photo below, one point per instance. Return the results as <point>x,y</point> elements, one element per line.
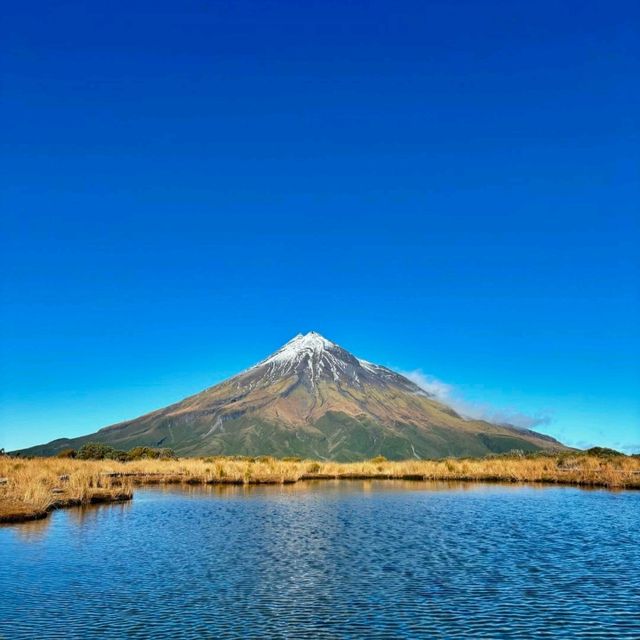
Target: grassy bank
<point>30,488</point>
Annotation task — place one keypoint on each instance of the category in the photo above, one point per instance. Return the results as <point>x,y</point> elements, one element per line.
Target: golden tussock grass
<point>620,471</point>
<point>32,487</point>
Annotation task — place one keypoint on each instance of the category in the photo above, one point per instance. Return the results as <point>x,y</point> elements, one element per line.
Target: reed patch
<point>31,487</point>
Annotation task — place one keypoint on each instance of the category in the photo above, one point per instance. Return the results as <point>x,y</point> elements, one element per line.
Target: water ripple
<point>330,560</point>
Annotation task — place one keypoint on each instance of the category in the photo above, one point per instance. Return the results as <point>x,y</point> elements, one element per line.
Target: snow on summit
<point>312,357</point>
<point>309,343</point>
<point>309,351</point>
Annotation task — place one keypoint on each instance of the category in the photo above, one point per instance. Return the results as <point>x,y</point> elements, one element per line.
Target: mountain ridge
<point>312,398</point>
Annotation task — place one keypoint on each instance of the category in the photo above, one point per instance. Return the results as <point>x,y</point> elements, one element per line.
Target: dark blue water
<point>330,560</point>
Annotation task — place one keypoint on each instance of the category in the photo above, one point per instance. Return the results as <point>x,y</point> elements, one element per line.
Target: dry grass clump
<point>564,469</point>
<point>32,487</point>
<point>621,471</point>
<point>214,470</point>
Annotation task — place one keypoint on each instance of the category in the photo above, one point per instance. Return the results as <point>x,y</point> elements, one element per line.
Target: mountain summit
<point>314,359</point>
<point>312,398</point>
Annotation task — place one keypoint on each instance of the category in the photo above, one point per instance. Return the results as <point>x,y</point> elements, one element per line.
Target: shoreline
<point>16,513</point>
<point>32,488</point>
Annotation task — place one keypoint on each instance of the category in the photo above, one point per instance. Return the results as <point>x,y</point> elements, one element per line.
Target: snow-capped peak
<point>310,355</point>
<point>308,343</point>
<point>312,358</point>
<point>311,340</point>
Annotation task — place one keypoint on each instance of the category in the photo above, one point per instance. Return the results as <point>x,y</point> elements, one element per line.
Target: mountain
<point>313,399</point>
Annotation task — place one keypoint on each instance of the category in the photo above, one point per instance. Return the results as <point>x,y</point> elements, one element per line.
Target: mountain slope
<point>312,398</point>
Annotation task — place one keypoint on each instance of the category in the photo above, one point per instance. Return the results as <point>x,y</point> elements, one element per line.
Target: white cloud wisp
<point>449,395</point>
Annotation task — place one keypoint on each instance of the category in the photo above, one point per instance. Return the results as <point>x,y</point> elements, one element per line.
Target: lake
<point>350,559</point>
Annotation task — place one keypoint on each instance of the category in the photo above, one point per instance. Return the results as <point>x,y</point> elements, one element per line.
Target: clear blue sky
<point>443,186</point>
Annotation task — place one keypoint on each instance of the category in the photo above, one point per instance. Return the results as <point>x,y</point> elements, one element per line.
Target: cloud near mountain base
<point>449,395</point>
